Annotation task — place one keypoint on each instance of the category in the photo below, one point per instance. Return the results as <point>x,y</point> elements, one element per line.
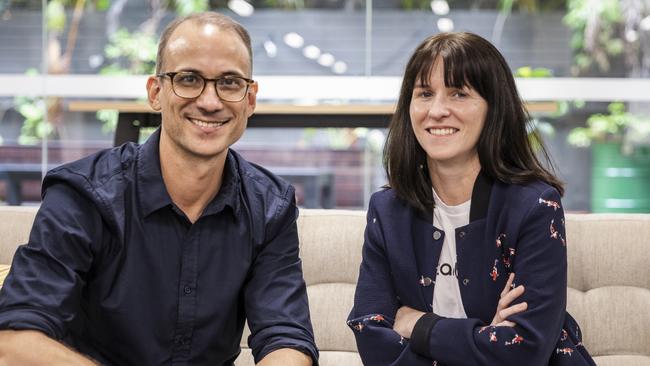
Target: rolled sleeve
<point>276,303</point>
<point>44,286</point>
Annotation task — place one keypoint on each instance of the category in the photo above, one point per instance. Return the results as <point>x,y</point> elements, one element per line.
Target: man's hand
<point>405,320</point>
<point>29,347</point>
<point>286,357</point>
<point>504,310</point>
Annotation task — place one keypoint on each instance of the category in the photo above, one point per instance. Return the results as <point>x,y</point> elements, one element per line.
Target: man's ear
<point>153,92</point>
<point>251,98</point>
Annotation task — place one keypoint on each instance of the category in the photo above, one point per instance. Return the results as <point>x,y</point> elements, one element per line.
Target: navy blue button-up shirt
<point>114,269</point>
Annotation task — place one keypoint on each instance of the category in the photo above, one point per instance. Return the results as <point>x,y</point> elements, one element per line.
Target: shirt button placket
<point>186,298</point>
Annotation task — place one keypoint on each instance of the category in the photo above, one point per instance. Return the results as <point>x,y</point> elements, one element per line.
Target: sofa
<point>608,292</point>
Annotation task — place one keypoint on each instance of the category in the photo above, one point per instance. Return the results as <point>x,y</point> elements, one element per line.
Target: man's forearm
<point>286,357</point>
<point>29,347</point>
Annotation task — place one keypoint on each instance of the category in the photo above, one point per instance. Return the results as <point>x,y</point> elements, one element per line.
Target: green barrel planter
<point>620,183</point>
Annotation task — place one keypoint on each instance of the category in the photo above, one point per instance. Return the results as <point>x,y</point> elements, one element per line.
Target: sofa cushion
<point>609,284</point>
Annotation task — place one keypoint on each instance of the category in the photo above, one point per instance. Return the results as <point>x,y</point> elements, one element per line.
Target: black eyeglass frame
<point>172,74</point>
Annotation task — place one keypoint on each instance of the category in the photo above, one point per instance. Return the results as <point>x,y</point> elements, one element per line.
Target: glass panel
<point>330,168</point>
<point>21,127</point>
<point>294,43</point>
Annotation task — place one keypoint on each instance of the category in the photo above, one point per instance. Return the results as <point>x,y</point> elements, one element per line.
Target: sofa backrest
<point>15,224</point>
<point>609,279</point>
<point>330,247</point>
<point>609,285</point>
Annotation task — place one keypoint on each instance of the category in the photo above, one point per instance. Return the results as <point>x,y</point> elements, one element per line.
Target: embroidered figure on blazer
<point>553,204</point>
<point>564,351</point>
<point>499,239</point>
<point>556,234</point>
<point>495,273</point>
<point>358,326</point>
<point>493,336</point>
<point>516,340</point>
<point>563,335</point>
<point>507,258</point>
<point>378,318</point>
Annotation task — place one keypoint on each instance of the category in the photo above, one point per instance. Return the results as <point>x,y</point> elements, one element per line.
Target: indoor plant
<point>620,143</point>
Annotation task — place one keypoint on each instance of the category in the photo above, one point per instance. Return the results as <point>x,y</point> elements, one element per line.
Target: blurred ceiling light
<point>645,23</point>
<point>311,52</point>
<point>95,61</point>
<point>445,25</point>
<point>326,59</point>
<point>293,40</point>
<point>631,35</point>
<point>241,7</point>
<point>440,7</point>
<point>270,48</point>
<point>340,67</point>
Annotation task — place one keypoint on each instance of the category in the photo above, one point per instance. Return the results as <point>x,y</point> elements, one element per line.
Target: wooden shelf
<point>325,109</point>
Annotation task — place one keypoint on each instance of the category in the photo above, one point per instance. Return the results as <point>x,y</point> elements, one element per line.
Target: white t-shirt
<point>446,292</point>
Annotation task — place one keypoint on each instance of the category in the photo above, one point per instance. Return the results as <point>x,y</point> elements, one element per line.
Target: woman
<point>458,156</point>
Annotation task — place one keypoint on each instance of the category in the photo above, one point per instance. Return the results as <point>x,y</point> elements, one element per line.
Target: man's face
<point>203,127</point>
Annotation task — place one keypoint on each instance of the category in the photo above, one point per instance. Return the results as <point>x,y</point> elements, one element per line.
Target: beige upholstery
<point>609,279</point>
<point>609,285</point>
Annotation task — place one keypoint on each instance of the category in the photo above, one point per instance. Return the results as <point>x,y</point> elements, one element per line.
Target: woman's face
<point>447,122</point>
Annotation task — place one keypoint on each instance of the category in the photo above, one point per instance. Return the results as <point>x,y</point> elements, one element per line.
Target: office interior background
<point>329,73</point>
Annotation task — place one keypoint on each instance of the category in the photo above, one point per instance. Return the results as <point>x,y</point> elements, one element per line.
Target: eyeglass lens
<point>191,85</point>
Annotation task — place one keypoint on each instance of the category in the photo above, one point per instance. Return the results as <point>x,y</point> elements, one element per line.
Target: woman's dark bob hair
<point>505,149</point>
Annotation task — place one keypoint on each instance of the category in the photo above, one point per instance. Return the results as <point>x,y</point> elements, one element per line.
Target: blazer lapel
<point>427,254</point>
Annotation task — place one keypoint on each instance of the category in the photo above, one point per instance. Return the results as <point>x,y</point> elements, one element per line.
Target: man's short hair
<point>219,20</point>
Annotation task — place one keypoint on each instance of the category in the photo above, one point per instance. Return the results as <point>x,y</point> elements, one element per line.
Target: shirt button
<point>461,234</point>
<point>188,290</point>
<point>436,235</point>
<point>466,281</point>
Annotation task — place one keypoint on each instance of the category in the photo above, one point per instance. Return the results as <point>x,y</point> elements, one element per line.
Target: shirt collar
<point>152,192</point>
<point>228,194</point>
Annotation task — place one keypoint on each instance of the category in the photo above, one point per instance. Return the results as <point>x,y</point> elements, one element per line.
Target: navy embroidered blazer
<point>512,228</point>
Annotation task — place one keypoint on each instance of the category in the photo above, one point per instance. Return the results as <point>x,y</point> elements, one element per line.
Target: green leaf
<point>614,46</point>
<point>579,137</point>
<point>55,14</point>
<point>102,5</point>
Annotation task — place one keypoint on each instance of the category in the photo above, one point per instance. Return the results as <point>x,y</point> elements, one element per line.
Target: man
<point>155,254</point>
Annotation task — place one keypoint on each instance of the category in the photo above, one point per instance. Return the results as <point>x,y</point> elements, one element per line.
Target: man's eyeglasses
<point>190,85</point>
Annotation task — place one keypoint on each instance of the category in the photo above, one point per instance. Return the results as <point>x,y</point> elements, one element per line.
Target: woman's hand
<point>405,320</point>
<point>504,310</point>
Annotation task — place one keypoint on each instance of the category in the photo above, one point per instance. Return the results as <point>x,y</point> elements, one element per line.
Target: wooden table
<point>135,115</point>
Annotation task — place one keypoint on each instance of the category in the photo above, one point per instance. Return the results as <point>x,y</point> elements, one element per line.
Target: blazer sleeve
<point>375,305</point>
<point>539,263</point>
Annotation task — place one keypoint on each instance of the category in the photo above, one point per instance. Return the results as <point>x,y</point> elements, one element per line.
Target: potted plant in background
<point>620,148</point>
